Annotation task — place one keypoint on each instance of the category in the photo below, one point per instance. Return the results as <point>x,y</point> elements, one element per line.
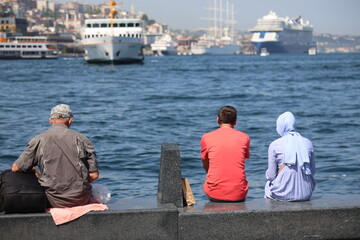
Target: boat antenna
<point>113,12</point>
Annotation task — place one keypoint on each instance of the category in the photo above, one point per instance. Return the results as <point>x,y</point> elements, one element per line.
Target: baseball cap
<point>62,109</point>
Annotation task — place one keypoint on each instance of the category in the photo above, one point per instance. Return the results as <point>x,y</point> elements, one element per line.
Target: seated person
<point>223,153</point>
<point>291,164</point>
<point>66,159</point>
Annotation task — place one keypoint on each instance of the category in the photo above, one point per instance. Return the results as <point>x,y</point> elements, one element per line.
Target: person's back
<point>223,152</point>
<point>67,163</point>
<point>291,164</point>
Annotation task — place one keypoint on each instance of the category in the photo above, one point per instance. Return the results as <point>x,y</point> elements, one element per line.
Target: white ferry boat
<point>282,35</point>
<point>113,40</point>
<point>27,47</point>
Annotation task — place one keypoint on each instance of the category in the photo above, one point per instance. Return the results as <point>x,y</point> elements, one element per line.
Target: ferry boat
<point>113,40</point>
<point>282,35</point>
<point>27,47</point>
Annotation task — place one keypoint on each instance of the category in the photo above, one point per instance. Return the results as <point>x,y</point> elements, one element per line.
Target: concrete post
<point>169,187</point>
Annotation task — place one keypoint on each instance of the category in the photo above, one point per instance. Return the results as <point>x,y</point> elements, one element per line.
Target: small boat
<point>113,40</point>
<point>27,47</point>
<point>312,51</point>
<point>264,52</point>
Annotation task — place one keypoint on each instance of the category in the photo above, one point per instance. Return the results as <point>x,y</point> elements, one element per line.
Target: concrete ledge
<point>267,219</point>
<point>127,224</point>
<point>331,217</point>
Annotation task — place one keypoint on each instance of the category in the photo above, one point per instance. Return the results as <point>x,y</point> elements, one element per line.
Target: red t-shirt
<point>226,149</point>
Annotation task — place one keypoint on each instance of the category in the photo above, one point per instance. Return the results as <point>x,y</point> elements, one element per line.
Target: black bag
<point>20,192</point>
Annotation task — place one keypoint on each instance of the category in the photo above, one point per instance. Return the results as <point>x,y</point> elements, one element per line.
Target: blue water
<point>128,111</point>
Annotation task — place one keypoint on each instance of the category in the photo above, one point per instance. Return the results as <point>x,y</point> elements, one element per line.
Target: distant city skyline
<point>327,16</point>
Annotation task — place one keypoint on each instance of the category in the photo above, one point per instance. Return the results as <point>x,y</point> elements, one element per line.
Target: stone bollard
<point>169,187</point>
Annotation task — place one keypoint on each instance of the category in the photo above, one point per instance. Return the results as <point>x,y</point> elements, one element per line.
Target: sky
<point>327,16</point>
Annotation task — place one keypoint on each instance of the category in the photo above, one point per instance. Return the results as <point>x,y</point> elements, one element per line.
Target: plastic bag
<point>100,193</point>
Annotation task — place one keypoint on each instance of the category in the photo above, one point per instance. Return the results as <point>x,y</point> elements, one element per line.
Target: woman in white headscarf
<point>291,163</point>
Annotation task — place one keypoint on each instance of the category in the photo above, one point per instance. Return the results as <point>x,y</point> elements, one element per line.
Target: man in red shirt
<point>223,153</point>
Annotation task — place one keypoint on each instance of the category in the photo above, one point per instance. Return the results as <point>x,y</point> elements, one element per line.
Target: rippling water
<point>128,111</point>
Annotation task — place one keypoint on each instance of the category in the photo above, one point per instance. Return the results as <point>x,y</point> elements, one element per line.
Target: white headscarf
<point>295,148</point>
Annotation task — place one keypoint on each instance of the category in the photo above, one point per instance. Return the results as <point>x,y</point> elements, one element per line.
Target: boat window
<point>132,35</point>
<point>137,24</point>
<point>29,46</point>
<point>34,46</point>
<point>130,24</point>
<point>18,46</point>
<point>104,25</point>
<point>39,46</point>
<point>115,25</point>
<point>7,46</point>
<point>88,25</point>
<point>1,46</point>
<point>122,25</point>
<point>95,25</point>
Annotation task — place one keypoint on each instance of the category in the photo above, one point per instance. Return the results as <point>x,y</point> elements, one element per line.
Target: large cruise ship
<point>113,40</point>
<point>282,35</point>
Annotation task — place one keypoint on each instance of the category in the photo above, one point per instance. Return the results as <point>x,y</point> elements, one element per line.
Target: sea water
<point>128,111</point>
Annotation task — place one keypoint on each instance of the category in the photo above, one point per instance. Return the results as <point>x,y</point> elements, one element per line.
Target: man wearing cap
<point>66,159</point>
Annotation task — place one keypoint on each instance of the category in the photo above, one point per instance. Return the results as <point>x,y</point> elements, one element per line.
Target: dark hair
<point>227,114</point>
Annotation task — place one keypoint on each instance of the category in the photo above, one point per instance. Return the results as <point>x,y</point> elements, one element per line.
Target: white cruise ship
<point>27,47</point>
<point>282,35</point>
<point>113,40</point>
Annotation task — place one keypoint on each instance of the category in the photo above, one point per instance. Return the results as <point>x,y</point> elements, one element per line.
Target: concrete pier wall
<point>164,217</point>
<point>326,218</point>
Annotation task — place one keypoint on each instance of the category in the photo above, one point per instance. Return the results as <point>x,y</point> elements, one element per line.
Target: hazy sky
<point>327,16</point>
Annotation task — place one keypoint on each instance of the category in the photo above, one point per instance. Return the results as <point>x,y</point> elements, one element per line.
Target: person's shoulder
<point>307,141</point>
<point>241,133</point>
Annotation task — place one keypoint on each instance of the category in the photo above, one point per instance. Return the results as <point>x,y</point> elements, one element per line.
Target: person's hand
<point>37,174</point>
<point>93,176</point>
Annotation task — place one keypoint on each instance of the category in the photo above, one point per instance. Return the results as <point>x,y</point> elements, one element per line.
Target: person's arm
<point>91,159</point>
<point>312,159</point>
<point>272,166</point>
<point>15,168</point>
<point>26,160</point>
<point>205,164</point>
<point>204,155</point>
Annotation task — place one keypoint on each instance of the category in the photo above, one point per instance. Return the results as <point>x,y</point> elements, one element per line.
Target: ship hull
<point>279,47</point>
<point>116,50</point>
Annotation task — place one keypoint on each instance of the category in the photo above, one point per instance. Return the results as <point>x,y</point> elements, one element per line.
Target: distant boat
<point>113,40</point>
<point>264,52</point>
<point>27,47</point>
<point>312,51</point>
<point>282,35</point>
<point>219,39</point>
<point>164,46</point>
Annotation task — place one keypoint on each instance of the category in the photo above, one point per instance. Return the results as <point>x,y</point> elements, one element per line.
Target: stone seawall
<point>164,217</point>
<point>333,217</point>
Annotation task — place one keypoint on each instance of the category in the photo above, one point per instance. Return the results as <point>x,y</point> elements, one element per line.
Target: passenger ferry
<point>283,34</point>
<point>113,40</point>
<point>27,47</point>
